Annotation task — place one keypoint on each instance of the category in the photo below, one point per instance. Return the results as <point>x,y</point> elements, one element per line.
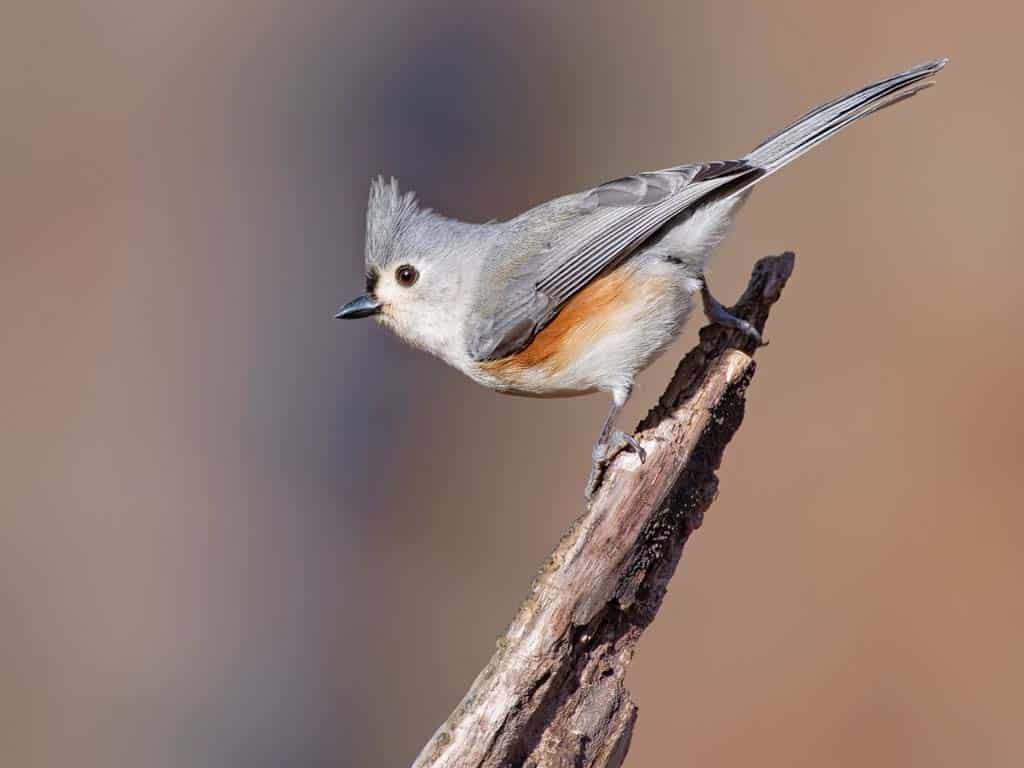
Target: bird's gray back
<point>551,252</point>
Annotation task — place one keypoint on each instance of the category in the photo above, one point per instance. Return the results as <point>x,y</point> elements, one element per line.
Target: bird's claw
<point>605,453</point>
<point>719,315</point>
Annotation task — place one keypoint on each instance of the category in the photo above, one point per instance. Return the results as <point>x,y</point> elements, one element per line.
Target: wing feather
<point>613,220</point>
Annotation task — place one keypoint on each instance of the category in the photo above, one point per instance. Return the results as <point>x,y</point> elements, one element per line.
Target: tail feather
<point>825,121</point>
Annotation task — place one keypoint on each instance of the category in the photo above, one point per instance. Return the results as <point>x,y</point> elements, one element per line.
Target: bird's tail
<point>828,119</point>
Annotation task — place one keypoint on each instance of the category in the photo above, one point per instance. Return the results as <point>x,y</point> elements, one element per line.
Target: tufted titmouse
<point>581,293</point>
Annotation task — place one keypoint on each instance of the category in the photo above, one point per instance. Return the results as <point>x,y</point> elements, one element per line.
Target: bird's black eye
<point>406,275</point>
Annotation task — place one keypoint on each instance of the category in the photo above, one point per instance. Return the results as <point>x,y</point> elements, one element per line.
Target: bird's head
<point>413,271</point>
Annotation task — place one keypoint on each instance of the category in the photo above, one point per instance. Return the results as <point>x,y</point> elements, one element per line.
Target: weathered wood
<point>553,695</point>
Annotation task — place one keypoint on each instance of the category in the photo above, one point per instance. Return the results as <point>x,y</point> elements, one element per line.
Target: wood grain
<point>553,695</point>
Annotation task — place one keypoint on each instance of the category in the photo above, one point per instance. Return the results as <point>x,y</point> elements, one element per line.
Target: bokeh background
<point>238,533</point>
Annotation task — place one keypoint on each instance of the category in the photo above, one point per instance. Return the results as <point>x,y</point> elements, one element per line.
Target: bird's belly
<point>603,337</point>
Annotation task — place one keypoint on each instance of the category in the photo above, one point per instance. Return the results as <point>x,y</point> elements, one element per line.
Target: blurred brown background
<point>237,533</point>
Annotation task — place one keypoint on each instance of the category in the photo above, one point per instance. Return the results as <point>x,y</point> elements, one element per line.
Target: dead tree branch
<point>553,695</point>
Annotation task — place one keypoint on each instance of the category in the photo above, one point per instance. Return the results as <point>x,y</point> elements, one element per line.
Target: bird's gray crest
<point>389,214</point>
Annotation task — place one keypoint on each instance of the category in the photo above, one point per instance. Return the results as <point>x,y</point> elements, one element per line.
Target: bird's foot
<point>605,452</point>
<point>719,315</point>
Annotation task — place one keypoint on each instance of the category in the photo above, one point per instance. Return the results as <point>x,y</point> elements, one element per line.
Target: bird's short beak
<point>363,306</point>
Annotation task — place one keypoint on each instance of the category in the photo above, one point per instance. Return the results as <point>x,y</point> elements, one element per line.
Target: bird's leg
<point>716,313</point>
<point>610,443</point>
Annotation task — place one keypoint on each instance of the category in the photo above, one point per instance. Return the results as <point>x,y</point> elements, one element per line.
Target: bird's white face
<point>419,302</point>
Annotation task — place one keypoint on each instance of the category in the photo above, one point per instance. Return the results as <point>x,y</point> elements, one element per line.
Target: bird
<point>583,292</point>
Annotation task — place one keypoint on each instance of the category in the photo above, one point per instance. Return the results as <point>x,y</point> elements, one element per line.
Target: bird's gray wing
<point>591,233</point>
